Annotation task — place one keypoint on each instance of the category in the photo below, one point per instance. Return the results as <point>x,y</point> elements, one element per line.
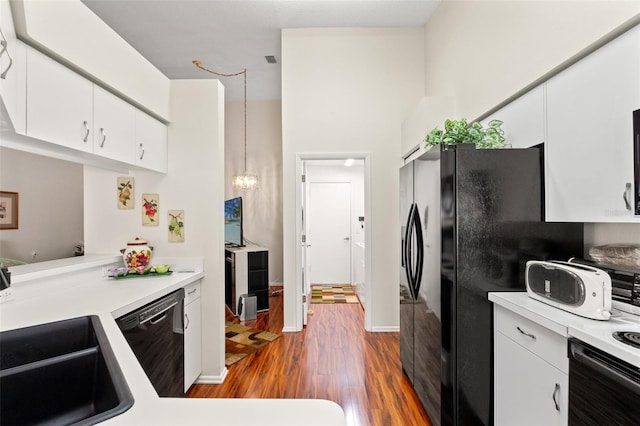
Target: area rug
<point>242,340</point>
<point>333,294</point>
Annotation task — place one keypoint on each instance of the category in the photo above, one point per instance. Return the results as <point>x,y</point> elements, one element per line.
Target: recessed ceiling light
<point>271,59</point>
<point>349,162</point>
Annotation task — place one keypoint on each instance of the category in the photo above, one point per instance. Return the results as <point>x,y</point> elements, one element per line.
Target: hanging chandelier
<point>246,180</point>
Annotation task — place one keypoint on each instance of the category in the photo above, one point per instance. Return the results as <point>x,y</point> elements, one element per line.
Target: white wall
<point>49,206</point>
<point>262,208</point>
<point>194,183</point>
<point>348,90</point>
<point>483,64</point>
<point>483,52</point>
<point>355,176</point>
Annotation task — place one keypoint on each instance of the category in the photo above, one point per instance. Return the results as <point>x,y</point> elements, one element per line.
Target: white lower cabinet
<point>531,383</point>
<point>192,335</point>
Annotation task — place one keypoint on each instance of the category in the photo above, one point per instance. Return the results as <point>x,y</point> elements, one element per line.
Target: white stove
<point>599,334</point>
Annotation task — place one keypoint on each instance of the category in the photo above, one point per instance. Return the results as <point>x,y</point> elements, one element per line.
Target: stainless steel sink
<point>60,373</point>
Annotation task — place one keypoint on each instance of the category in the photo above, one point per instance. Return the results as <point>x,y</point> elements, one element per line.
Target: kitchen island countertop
<point>73,289</point>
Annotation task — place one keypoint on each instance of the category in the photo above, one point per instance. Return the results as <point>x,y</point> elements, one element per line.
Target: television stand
<point>246,272</point>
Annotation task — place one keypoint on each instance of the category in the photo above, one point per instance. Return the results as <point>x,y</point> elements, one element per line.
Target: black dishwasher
<point>155,333</point>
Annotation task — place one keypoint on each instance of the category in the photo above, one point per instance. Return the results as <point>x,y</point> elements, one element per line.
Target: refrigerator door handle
<point>406,251</point>
<point>417,224</point>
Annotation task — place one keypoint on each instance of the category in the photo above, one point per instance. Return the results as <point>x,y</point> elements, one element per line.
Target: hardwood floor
<point>332,358</point>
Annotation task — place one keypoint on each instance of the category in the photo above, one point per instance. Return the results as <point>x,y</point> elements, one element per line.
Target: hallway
<point>334,359</point>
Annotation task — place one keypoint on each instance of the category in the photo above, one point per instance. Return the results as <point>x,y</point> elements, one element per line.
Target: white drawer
<point>547,344</point>
<point>191,292</point>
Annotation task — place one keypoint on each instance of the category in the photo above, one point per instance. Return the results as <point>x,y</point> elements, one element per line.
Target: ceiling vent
<point>271,59</point>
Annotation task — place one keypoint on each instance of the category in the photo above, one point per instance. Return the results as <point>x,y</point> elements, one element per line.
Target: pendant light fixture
<point>246,180</point>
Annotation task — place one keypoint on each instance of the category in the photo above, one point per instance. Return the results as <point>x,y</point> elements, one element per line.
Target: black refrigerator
<point>470,219</point>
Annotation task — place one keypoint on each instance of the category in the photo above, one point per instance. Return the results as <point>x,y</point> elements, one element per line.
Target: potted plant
<point>458,131</point>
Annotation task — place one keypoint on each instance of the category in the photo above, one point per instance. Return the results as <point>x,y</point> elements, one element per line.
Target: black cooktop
<point>630,338</point>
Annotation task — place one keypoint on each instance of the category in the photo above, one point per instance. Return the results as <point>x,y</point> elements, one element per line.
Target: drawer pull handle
<point>192,291</point>
<point>524,333</point>
<point>555,393</point>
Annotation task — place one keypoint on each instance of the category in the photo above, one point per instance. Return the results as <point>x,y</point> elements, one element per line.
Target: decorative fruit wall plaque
<point>176,226</point>
<point>150,207</point>
<point>126,187</point>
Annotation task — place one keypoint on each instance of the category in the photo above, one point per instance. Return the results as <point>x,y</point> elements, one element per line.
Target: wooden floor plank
<point>332,358</point>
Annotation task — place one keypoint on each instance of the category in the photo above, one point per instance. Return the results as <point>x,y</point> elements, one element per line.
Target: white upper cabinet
<point>12,85</point>
<point>92,124</point>
<point>150,143</point>
<point>589,150</point>
<point>114,127</point>
<point>59,104</point>
<point>69,31</point>
<point>523,119</point>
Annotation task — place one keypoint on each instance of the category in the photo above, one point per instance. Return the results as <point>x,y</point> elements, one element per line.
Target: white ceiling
<point>230,35</point>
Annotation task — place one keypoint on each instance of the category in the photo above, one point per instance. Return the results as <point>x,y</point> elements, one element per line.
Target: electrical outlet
<point>6,295</point>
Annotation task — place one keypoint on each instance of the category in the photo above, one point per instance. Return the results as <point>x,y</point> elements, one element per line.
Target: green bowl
<point>161,269</point>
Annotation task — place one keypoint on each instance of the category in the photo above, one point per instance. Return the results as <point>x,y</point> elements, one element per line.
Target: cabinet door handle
<point>4,45</point>
<point>524,333</point>
<point>186,325</point>
<point>626,195</point>
<point>555,394</point>
<point>104,136</point>
<point>141,151</point>
<point>86,131</point>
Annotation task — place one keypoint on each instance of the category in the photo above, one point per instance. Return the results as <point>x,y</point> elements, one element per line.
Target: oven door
<point>603,390</point>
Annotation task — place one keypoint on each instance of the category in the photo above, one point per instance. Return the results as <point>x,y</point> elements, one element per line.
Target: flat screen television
<point>233,222</point>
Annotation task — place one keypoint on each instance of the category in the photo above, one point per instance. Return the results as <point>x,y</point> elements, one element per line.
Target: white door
<point>329,235</point>
<point>306,285</point>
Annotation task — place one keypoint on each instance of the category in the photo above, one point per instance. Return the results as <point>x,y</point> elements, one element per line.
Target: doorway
<point>333,226</point>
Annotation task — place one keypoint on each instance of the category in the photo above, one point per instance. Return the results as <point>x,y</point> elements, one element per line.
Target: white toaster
<point>580,289</point>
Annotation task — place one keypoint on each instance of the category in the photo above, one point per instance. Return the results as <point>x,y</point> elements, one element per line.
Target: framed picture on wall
<point>150,208</point>
<point>176,226</point>
<point>126,193</point>
<point>8,210</point>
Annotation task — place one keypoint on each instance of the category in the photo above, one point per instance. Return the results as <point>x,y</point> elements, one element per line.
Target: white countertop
<point>593,332</point>
<point>71,291</point>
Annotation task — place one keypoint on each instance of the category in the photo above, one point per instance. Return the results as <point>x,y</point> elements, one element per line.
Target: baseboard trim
<point>290,330</point>
<point>386,329</point>
<point>212,380</point>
